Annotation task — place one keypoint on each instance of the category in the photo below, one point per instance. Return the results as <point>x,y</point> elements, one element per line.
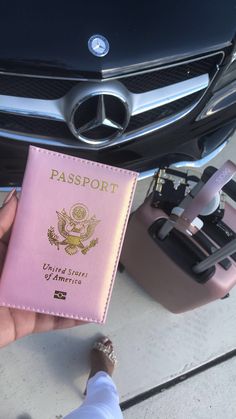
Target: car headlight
<point>228,75</point>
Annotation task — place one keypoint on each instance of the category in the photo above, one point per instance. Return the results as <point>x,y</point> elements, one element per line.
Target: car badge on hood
<point>98,45</point>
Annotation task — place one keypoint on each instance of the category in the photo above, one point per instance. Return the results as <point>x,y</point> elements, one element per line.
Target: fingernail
<point>9,196</point>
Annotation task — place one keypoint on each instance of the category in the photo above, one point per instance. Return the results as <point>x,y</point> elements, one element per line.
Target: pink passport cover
<point>67,236</point>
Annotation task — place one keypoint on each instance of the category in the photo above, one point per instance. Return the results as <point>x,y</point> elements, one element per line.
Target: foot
<point>102,357</point>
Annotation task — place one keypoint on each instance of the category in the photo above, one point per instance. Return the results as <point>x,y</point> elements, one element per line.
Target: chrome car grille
<point>39,109</point>
<point>59,130</point>
<point>161,113</point>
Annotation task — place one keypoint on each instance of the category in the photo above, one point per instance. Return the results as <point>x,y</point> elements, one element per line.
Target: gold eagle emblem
<point>76,227</point>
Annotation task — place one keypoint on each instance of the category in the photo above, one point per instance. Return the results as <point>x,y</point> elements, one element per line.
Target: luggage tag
<point>169,187</point>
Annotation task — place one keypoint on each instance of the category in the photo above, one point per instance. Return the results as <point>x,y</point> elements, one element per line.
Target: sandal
<point>105,346</point>
<point>101,345</point>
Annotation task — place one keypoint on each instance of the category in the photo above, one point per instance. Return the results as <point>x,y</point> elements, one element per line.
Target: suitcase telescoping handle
<point>203,195</point>
<point>216,257</point>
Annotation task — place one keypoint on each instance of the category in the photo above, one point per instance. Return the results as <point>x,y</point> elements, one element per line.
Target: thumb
<point>7,216</point>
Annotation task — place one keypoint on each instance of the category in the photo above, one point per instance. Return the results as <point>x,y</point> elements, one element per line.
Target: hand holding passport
<point>17,323</point>
<point>65,243</point>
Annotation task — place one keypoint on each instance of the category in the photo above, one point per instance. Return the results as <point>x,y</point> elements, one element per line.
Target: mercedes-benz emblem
<point>99,118</point>
<point>98,45</point>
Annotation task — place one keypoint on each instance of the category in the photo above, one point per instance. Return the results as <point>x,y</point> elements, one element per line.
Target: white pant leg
<point>101,402</point>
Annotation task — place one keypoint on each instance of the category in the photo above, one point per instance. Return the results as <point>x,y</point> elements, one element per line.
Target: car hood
<point>51,37</point>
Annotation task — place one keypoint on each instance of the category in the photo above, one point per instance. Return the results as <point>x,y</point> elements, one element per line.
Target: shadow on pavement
<point>65,357</point>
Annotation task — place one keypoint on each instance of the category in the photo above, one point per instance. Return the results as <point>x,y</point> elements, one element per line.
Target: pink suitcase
<point>164,268</point>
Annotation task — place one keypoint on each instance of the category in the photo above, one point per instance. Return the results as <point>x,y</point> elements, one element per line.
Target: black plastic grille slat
<point>34,87</point>
<point>155,115</point>
<point>45,88</point>
<point>35,126</point>
<point>161,78</point>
